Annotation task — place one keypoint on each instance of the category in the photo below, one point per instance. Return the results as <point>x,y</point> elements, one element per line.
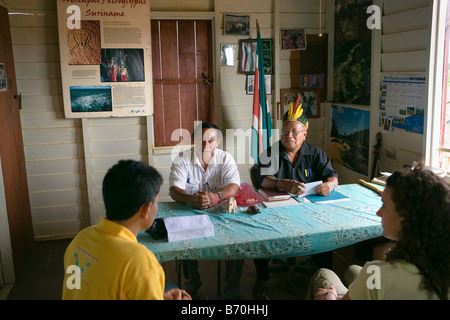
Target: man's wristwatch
<point>220,194</point>
<point>333,186</point>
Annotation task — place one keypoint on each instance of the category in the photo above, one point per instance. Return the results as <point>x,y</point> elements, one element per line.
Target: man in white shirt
<point>203,177</point>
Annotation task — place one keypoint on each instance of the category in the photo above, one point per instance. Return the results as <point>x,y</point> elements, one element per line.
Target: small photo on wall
<point>311,81</point>
<point>251,84</point>
<point>236,24</point>
<point>293,39</point>
<point>228,55</point>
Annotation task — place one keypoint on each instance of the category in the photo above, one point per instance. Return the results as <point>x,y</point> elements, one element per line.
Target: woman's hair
<point>127,186</point>
<point>423,199</point>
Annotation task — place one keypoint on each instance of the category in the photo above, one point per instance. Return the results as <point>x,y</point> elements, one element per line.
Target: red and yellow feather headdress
<point>295,113</point>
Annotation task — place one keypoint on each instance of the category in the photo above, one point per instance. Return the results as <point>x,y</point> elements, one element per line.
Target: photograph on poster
<point>350,128</point>
<point>90,98</point>
<point>309,100</point>
<point>122,65</point>
<point>235,24</point>
<point>293,39</point>
<point>84,44</point>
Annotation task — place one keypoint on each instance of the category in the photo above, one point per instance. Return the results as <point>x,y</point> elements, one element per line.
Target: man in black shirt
<point>288,165</point>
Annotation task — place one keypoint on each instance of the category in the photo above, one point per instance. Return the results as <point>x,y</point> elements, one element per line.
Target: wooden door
<point>182,76</point>
<point>12,153</point>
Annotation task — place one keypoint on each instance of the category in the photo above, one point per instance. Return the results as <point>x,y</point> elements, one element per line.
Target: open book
<point>274,195</point>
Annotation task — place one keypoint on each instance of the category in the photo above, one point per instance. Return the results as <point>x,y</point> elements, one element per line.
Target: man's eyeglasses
<point>294,132</point>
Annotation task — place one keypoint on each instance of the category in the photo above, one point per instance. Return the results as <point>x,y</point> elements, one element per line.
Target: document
<point>188,227</point>
<point>310,188</point>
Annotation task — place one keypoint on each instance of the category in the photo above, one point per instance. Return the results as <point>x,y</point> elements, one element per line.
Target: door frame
<point>6,258</point>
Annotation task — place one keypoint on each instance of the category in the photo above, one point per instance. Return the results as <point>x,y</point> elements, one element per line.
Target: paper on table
<point>310,188</point>
<point>188,227</point>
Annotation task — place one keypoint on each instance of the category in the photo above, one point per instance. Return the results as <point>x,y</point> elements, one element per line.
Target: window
<point>438,133</point>
<point>182,77</point>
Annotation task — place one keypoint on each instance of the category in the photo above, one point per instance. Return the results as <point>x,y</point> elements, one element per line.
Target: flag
<point>262,123</point>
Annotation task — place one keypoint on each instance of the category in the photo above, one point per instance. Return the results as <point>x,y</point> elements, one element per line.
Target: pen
<point>188,180</point>
<point>306,173</point>
<point>310,173</point>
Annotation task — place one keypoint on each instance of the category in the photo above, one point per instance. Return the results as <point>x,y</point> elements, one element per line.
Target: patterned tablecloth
<point>302,229</point>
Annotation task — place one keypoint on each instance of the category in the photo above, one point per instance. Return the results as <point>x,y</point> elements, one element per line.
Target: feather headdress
<point>295,113</point>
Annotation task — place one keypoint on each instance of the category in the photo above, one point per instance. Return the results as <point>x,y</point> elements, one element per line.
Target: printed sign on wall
<point>105,58</point>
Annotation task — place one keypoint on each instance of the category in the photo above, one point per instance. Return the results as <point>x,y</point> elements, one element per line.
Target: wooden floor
<point>42,276</point>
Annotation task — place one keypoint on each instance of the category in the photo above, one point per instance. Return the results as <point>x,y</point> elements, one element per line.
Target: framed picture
<point>236,24</point>
<point>310,100</point>
<point>228,55</point>
<point>293,39</point>
<point>247,52</point>
<point>251,84</point>
<point>311,81</point>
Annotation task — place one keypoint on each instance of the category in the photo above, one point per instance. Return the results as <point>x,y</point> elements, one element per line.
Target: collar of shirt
<point>305,150</point>
<point>114,229</point>
<point>212,161</point>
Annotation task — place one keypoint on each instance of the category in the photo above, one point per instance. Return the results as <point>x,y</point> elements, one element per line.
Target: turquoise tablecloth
<point>302,229</point>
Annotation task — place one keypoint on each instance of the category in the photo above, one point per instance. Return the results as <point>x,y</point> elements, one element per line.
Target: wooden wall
<point>67,158</point>
<point>405,46</point>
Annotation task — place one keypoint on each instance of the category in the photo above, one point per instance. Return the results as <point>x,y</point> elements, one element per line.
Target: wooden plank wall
<point>67,158</point>
<point>405,48</point>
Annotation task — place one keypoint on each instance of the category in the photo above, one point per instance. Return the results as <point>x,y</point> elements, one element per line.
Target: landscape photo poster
<point>350,135</point>
<point>105,53</point>
<point>352,53</point>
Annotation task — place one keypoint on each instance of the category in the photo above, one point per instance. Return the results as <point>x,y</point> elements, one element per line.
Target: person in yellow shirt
<point>105,261</point>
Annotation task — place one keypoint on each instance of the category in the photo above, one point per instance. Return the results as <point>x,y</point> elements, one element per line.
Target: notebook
<point>274,195</point>
<point>332,197</point>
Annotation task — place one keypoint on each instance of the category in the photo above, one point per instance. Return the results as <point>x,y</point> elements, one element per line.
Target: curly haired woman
<point>415,213</point>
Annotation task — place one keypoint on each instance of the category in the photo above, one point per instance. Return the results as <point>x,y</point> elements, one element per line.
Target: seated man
<point>107,259</point>
<point>203,177</point>
<point>293,162</point>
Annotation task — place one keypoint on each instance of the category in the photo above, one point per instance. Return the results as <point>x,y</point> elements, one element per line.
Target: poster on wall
<point>402,102</point>
<point>105,58</point>
<point>352,53</point>
<point>350,135</point>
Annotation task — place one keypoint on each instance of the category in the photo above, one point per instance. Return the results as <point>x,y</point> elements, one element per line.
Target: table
<point>281,232</point>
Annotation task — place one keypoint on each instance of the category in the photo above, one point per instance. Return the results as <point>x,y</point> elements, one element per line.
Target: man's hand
<point>291,186</point>
<point>325,188</point>
<point>203,200</point>
<point>176,294</point>
<point>200,200</point>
